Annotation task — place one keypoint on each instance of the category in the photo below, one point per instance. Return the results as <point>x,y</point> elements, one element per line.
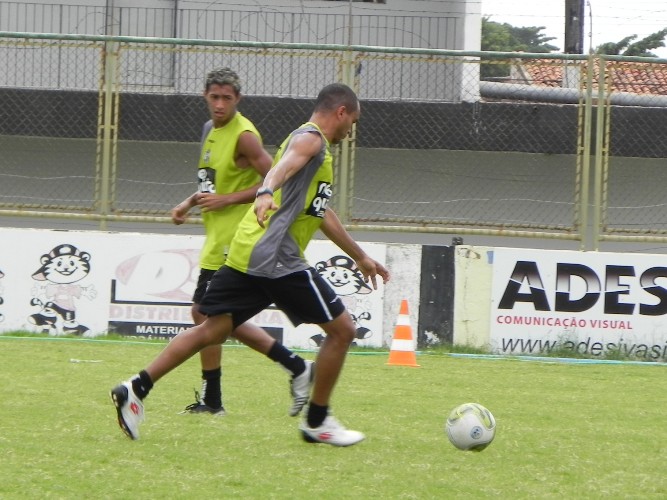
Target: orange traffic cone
<point>402,352</point>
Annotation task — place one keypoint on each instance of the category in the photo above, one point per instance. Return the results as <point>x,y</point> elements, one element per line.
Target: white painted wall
<point>461,32</point>
<point>433,24</point>
<point>404,264</point>
<point>472,295</point>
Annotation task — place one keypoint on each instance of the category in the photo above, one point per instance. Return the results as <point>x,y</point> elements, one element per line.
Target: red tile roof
<point>636,78</point>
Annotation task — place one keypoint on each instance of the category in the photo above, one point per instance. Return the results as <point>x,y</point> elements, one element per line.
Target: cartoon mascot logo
<point>61,268</point>
<point>346,279</point>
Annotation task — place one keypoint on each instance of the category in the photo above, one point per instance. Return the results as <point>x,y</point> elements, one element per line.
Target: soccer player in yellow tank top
<point>231,167</point>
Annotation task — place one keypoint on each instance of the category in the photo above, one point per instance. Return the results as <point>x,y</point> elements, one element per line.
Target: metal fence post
<point>343,183</point>
<point>586,153</point>
<point>600,153</point>
<point>108,129</point>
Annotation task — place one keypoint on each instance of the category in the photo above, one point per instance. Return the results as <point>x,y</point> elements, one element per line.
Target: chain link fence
<point>633,174</point>
<point>462,157</point>
<point>49,120</point>
<point>453,142</point>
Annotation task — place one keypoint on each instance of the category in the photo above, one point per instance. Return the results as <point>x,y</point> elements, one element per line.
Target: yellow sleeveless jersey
<point>278,249</point>
<point>219,174</point>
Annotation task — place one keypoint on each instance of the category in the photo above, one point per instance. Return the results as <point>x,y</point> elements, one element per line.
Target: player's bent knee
<point>342,335</point>
<point>347,335</point>
<point>216,329</point>
<point>341,329</point>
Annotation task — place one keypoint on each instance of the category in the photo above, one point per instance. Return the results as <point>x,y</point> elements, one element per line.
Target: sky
<point>605,20</point>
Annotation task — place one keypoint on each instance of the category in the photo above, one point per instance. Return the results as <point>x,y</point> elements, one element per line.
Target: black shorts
<point>205,276</point>
<point>304,296</point>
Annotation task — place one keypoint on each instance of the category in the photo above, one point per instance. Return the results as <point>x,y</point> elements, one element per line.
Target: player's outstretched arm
<point>336,232</point>
<point>300,150</point>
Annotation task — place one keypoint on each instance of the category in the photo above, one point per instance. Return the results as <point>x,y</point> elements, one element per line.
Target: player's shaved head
<point>335,95</point>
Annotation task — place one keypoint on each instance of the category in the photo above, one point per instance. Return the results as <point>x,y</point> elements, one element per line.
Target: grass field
<point>565,430</point>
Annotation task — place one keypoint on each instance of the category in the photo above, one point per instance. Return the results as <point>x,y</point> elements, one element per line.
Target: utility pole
<point>574,26</point>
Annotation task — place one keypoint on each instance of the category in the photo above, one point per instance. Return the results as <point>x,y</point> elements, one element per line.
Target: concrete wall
<point>440,24</point>
<point>490,126</point>
<point>397,23</point>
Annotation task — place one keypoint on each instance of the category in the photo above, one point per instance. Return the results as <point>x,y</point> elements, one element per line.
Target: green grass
<point>565,430</point>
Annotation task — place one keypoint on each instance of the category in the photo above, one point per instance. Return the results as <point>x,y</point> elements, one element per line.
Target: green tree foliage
<point>504,37</point>
<point>640,48</point>
<point>507,38</point>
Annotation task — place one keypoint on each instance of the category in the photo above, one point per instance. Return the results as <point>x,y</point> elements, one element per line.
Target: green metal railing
<point>438,150</point>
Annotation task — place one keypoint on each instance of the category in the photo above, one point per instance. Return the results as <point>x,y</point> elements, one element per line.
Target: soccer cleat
<point>300,389</point>
<point>129,407</point>
<point>330,432</point>
<point>200,407</point>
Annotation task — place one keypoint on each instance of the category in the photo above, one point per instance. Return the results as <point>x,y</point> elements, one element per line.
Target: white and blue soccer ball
<point>470,427</point>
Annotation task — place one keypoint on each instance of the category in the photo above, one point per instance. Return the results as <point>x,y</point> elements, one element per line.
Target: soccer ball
<point>471,427</point>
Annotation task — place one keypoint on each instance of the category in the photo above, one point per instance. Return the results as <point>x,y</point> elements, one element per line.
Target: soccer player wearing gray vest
<point>266,265</point>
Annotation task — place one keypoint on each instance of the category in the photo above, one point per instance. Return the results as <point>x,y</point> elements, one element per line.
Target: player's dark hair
<point>335,95</point>
<point>224,76</point>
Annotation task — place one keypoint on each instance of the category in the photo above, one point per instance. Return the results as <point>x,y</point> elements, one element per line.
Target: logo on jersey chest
<point>206,180</point>
<point>319,203</point>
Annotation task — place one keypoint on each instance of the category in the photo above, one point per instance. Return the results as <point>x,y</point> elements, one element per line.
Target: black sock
<point>142,384</point>
<point>292,362</point>
<point>316,415</point>
<point>211,391</point>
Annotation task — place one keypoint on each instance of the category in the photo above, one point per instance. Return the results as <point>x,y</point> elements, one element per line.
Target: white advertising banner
<point>364,304</point>
<point>80,282</point>
<point>89,283</point>
<point>588,302</point>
